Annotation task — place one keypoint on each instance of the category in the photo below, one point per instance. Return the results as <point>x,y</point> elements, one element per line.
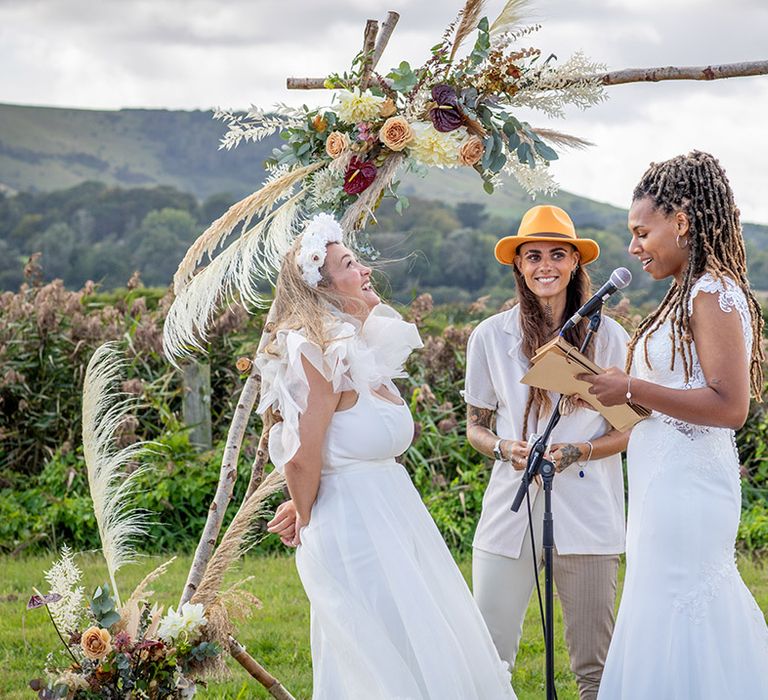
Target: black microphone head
<point>621,277</point>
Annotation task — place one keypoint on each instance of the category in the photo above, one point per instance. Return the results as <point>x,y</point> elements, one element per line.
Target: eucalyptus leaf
<point>498,161</point>
<point>522,152</point>
<point>545,151</point>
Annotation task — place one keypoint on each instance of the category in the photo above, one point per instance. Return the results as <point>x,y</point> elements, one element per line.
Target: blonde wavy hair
<point>298,306</point>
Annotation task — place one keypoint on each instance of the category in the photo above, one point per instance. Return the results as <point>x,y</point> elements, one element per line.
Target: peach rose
<point>336,144</point>
<point>471,151</point>
<point>96,643</point>
<point>387,108</point>
<point>396,133</point>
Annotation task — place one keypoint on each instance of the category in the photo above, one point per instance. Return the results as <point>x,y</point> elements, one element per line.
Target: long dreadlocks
<point>696,185</point>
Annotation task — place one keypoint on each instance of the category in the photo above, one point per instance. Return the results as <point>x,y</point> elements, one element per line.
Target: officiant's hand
<point>516,452</point>
<point>610,387</point>
<point>284,524</point>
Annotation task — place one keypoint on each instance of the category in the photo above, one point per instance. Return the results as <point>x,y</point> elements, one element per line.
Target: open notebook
<point>554,367</point>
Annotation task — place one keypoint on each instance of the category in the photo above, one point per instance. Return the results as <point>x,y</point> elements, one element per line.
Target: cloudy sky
<point>185,54</point>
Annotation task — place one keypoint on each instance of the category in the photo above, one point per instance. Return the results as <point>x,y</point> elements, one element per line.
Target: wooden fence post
<point>196,404</point>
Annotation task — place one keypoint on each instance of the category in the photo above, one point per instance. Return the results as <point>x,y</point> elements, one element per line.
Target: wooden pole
<point>629,75</point>
<point>386,32</point>
<point>369,41</point>
<point>226,485</point>
<point>196,403</point>
<point>273,686</point>
<point>654,75</point>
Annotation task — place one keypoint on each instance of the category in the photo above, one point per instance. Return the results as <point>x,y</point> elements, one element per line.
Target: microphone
<point>619,279</point>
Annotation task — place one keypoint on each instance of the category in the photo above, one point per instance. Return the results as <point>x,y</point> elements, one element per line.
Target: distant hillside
<point>49,150</point>
<point>44,149</point>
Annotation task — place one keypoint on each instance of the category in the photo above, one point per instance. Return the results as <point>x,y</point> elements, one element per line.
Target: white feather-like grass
<point>233,275</point>
<point>110,484</point>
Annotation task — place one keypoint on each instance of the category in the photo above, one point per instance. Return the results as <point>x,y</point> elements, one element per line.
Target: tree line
<point>105,234</point>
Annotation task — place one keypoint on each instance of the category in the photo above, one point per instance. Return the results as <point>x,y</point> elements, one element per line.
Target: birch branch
<point>621,77</point>
<point>257,671</point>
<point>262,457</point>
<point>654,75</point>
<point>386,32</point>
<point>369,41</point>
<point>226,485</point>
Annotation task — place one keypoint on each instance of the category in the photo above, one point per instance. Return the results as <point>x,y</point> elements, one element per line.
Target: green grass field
<point>277,635</point>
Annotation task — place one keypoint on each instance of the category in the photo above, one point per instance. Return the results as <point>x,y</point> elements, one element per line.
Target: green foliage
<point>103,607</point>
<point>753,528</point>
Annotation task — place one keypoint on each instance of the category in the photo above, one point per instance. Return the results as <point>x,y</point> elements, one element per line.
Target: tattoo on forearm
<point>482,417</point>
<point>570,454</point>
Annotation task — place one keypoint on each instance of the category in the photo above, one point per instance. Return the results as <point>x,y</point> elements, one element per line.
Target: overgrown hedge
<point>47,335</point>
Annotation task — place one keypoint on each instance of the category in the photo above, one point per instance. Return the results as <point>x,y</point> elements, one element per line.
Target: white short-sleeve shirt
<point>588,512</point>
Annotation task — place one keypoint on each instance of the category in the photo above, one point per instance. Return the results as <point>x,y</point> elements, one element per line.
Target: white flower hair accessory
<point>321,230</point>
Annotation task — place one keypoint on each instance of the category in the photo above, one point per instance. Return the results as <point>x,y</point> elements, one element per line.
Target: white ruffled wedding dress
<point>391,615</point>
<point>688,628</point>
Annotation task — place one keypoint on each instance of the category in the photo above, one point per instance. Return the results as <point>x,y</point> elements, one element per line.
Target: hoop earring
<point>677,241</point>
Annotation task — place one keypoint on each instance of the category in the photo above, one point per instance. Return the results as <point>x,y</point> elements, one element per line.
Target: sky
<point>200,54</point>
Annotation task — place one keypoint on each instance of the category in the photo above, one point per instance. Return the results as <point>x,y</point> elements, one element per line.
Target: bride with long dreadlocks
<point>687,626</point>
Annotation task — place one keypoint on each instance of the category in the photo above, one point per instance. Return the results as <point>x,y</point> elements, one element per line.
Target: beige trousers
<point>586,586</point>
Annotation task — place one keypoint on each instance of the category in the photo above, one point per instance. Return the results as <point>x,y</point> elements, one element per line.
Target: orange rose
<point>387,108</point>
<point>396,133</point>
<point>336,144</point>
<point>471,151</point>
<point>96,643</point>
<point>319,124</point>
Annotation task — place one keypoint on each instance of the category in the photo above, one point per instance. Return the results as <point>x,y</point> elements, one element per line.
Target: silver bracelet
<point>584,464</point>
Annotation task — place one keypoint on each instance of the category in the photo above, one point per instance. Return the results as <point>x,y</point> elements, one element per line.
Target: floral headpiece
<point>320,231</point>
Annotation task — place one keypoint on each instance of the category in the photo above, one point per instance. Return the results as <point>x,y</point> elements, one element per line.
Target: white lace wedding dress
<point>391,615</point>
<point>688,628</point>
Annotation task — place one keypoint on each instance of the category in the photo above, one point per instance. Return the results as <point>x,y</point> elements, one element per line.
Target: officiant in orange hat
<point>548,260</point>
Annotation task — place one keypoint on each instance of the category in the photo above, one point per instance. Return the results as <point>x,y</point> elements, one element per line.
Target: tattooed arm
<point>564,454</point>
<point>483,438</point>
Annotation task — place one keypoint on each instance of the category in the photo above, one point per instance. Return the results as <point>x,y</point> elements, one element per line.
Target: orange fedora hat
<point>546,223</point>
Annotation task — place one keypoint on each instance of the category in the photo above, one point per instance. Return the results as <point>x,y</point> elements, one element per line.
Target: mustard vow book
<point>554,367</point>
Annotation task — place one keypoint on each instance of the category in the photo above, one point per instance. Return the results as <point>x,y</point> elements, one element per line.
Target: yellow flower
<point>358,107</point>
<point>433,147</point>
<point>96,643</point>
<point>396,133</point>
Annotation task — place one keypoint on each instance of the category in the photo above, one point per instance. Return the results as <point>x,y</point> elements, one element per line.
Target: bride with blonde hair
<point>391,615</point>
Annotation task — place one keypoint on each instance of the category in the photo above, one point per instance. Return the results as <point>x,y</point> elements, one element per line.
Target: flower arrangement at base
<point>111,649</point>
<point>128,652</point>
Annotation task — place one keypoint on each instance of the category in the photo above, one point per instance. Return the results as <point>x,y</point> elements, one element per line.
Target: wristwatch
<point>497,451</point>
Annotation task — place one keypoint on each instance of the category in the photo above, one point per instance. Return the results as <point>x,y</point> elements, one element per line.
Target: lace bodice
<point>659,368</point>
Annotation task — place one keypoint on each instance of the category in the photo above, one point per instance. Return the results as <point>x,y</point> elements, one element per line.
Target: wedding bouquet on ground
<point>113,649</point>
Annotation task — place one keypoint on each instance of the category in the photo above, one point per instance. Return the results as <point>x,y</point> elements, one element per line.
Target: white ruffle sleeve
<point>356,358</point>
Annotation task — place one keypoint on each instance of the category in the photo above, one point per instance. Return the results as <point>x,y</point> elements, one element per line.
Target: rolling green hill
<point>163,178</point>
<point>43,149</point>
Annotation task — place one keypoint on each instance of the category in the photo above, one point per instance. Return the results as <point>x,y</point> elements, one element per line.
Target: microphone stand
<point>538,465</point>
